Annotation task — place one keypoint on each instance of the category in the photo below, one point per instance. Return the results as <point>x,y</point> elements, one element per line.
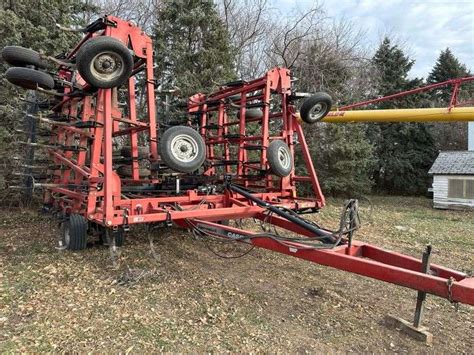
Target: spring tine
<point>39,145</point>
<point>49,92</point>
<point>59,62</point>
<point>33,166</point>
<point>71,29</point>
<point>56,123</point>
<point>40,132</point>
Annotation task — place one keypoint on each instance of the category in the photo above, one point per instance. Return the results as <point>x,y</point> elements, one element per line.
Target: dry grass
<point>189,300</point>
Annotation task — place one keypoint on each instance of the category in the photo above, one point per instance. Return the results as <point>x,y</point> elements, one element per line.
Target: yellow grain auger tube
<point>454,113</point>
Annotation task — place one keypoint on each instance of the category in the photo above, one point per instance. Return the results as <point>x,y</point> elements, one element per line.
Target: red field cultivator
<point>231,156</point>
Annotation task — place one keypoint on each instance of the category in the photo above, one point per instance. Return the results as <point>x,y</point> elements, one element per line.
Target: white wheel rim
<point>184,148</point>
<point>284,158</point>
<point>317,111</point>
<point>107,66</point>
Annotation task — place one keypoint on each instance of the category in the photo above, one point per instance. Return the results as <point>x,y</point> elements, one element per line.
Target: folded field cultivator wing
<point>111,166</point>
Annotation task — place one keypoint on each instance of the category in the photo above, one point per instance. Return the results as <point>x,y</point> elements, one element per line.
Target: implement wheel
<point>279,158</point>
<point>74,232</point>
<point>316,107</point>
<point>126,171</point>
<point>119,236</point>
<point>104,62</point>
<point>143,152</point>
<point>182,149</point>
<point>21,57</point>
<point>29,78</point>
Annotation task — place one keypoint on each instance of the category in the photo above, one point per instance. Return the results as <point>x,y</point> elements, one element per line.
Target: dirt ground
<point>188,299</point>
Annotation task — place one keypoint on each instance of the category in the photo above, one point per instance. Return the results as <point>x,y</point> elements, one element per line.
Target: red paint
<point>91,187</point>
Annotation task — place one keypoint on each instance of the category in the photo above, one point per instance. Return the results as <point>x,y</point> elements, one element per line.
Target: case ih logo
<point>221,231</point>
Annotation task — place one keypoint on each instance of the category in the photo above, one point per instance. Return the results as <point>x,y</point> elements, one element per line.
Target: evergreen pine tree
<point>404,151</point>
<point>447,67</point>
<point>452,136</point>
<point>192,46</point>
<point>341,153</point>
<point>343,158</point>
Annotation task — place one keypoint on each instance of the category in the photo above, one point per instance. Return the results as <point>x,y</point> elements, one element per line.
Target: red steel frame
<point>89,185</point>
<point>453,102</point>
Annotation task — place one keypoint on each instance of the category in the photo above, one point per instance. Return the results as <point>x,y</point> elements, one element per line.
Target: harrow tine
<point>61,63</point>
<point>71,29</point>
<point>42,133</point>
<point>72,148</point>
<point>49,92</point>
<point>39,145</point>
<point>33,166</point>
<point>55,123</point>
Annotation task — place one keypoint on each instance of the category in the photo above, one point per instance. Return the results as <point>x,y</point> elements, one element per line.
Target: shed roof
<point>454,163</point>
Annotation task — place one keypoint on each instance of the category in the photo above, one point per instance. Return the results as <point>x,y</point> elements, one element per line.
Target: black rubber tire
<point>310,104</point>
<point>76,226</point>
<point>21,57</point>
<point>28,78</point>
<point>119,237</point>
<point>171,160</point>
<point>252,113</point>
<point>143,152</point>
<point>277,166</point>
<point>126,171</point>
<point>103,44</point>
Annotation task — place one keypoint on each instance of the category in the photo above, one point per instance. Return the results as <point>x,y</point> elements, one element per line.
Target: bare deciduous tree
<point>290,38</point>
<point>248,23</point>
<point>141,12</point>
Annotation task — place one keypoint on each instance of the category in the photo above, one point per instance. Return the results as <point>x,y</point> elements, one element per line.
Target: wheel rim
<point>284,158</point>
<point>184,148</point>
<point>107,66</point>
<point>318,111</point>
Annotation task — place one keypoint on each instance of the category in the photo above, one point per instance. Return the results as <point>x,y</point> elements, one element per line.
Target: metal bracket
<point>126,226</point>
<point>168,222</point>
<point>425,268</point>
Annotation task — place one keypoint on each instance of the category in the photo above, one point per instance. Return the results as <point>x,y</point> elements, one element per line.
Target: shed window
<point>461,188</point>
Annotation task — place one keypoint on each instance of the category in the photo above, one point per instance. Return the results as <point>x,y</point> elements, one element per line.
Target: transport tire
<point>28,78</point>
<point>104,62</point>
<point>315,107</point>
<point>74,232</point>
<point>279,158</point>
<point>252,113</point>
<point>126,171</point>
<point>21,57</point>
<point>119,237</point>
<point>182,149</point>
<point>143,152</point>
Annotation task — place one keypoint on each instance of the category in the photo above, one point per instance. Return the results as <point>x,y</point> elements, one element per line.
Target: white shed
<point>453,180</point>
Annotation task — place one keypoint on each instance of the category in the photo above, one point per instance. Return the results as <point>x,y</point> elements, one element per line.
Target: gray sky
<point>424,27</point>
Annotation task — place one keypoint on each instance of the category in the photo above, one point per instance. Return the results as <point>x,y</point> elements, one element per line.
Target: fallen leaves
<point>188,300</point>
